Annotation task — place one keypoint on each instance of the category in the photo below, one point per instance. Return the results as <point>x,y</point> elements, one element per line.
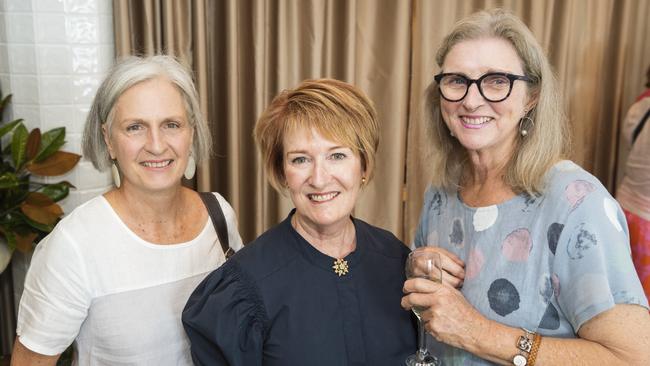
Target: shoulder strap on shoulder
<point>639,127</point>
<point>218,220</point>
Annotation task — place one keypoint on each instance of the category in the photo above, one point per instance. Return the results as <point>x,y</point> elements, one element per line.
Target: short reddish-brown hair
<point>336,110</point>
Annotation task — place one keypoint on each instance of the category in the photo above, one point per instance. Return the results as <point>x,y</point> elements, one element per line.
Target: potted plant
<point>28,209</point>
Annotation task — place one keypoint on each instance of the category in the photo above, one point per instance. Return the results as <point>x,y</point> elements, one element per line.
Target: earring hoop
<point>190,169</point>
<point>115,172</point>
<point>526,125</point>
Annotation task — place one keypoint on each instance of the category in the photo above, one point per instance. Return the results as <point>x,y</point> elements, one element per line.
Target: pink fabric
<point>640,243</point>
<point>645,94</point>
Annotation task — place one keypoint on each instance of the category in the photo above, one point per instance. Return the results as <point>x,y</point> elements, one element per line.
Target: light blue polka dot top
<point>547,263</point>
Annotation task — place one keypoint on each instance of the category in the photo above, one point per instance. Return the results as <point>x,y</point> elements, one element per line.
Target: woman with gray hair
<point>535,252</point>
<point>114,274</point>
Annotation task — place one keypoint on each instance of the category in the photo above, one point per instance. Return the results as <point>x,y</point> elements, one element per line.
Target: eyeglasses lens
<point>492,87</point>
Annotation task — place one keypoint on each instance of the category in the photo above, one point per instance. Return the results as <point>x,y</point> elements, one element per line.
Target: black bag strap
<point>639,127</point>
<point>218,220</point>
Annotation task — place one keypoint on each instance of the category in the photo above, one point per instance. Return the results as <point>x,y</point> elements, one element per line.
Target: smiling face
<point>323,179</point>
<point>480,125</point>
<point>150,136</point>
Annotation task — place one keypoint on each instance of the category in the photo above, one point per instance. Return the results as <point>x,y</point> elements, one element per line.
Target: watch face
<point>519,360</point>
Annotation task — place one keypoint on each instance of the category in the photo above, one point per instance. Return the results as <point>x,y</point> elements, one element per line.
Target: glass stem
<point>422,341</point>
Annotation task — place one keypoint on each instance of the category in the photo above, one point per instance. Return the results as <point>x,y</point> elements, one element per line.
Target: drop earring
<point>190,169</point>
<point>526,125</point>
<point>117,181</point>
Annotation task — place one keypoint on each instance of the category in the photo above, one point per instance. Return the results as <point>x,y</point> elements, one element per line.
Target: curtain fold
<point>245,52</point>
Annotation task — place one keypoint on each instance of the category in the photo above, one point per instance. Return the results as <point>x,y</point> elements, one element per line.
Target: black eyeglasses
<point>493,86</point>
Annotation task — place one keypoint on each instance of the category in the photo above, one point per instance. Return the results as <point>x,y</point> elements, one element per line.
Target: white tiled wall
<point>53,56</point>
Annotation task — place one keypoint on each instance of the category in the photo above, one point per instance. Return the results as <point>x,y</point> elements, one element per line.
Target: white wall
<point>53,56</point>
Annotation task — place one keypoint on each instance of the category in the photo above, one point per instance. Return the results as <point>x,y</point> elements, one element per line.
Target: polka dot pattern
<point>436,204</point>
<point>576,192</point>
<point>553,235</point>
<point>546,289</point>
<point>503,297</point>
<point>555,260</point>
<point>555,281</point>
<point>581,241</point>
<point>485,217</point>
<point>517,246</point>
<point>475,263</point>
<point>611,209</point>
<point>551,318</point>
<point>456,236</point>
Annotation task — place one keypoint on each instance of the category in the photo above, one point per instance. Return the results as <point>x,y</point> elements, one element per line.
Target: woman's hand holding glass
<point>452,267</point>
<point>442,309</point>
<point>422,264</point>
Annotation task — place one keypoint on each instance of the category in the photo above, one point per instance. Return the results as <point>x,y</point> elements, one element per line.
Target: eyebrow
<point>145,120</point>
<point>489,71</point>
<point>305,151</point>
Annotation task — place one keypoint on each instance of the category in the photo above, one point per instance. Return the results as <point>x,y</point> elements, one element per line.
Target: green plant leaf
<point>18,144</point>
<point>36,225</point>
<point>33,143</point>
<point>3,104</point>
<point>56,191</point>
<point>8,181</point>
<point>51,141</point>
<point>10,237</point>
<point>9,126</point>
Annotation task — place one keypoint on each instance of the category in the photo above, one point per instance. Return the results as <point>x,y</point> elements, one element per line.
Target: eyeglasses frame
<point>511,78</point>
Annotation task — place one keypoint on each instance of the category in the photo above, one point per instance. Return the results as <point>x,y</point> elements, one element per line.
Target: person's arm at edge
<point>23,356</point>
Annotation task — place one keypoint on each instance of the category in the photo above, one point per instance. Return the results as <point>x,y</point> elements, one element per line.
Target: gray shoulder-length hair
<point>547,141</point>
<point>127,73</point>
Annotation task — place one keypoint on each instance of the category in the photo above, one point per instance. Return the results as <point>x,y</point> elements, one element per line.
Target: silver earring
<point>190,169</point>
<point>526,125</point>
<point>116,175</point>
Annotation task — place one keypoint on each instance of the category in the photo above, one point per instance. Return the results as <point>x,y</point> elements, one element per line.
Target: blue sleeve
<point>593,269</point>
<point>225,319</point>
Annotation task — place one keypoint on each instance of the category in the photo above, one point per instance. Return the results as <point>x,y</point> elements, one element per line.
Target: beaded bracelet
<point>532,356</point>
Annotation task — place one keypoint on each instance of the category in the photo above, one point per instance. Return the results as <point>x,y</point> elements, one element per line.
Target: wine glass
<point>423,264</point>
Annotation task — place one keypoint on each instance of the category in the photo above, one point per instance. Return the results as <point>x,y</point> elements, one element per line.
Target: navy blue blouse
<point>279,302</point>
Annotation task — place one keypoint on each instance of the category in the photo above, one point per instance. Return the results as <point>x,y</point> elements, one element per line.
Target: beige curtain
<point>246,51</point>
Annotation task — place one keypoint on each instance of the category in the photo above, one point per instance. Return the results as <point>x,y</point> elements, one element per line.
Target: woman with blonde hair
<point>535,251</point>
<point>322,287</point>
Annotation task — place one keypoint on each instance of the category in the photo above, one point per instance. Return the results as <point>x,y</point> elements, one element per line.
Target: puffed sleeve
<point>56,296</point>
<point>225,319</point>
<point>593,270</point>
